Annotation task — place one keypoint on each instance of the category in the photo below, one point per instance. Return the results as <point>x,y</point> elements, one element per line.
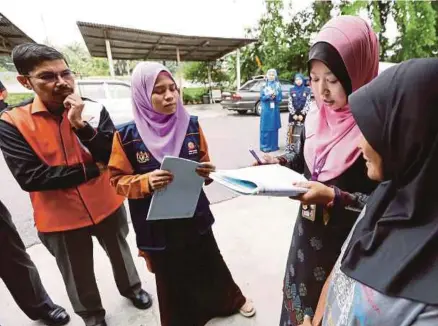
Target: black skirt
<point>194,284</point>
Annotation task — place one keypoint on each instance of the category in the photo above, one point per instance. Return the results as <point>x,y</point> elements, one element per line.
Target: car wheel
<point>258,109</point>
<point>242,112</point>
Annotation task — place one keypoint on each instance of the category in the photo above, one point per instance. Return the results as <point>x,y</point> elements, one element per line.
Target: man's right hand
<point>267,159</point>
<point>159,179</point>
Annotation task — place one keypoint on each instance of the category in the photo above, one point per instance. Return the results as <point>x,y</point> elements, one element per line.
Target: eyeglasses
<point>51,77</point>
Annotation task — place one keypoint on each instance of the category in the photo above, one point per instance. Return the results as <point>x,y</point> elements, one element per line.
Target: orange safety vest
<point>55,143</point>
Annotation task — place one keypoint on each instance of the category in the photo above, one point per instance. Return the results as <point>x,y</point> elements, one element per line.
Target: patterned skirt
<point>314,250</point>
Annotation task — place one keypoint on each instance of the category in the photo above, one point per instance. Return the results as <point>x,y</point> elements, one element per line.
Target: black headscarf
<point>394,248</point>
<point>326,53</point>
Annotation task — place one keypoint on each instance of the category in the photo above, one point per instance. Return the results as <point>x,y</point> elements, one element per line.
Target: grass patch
<point>17,98</point>
<point>190,96</point>
<point>193,95</point>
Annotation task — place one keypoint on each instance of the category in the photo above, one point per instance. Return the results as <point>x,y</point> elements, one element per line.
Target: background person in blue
<point>270,98</point>
<point>299,105</point>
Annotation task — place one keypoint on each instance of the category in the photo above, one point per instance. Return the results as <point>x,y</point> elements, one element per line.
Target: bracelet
<point>337,197</point>
<point>282,160</point>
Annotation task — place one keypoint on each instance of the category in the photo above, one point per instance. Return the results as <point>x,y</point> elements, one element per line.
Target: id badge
<point>308,212</point>
<point>272,105</point>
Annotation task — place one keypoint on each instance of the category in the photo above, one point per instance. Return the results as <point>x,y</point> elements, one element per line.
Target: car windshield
<point>248,85</point>
<point>119,91</point>
<point>286,87</point>
<point>93,91</point>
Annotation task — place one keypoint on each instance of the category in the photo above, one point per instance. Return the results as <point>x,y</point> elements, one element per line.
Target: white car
<point>115,95</point>
<point>385,65</point>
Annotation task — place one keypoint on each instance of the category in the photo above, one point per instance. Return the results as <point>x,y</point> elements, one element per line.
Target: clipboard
<point>180,198</point>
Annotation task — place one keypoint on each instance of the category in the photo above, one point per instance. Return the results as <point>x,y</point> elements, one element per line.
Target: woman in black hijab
<point>387,273</point>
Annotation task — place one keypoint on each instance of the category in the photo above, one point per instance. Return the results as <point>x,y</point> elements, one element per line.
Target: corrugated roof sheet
<point>10,36</point>
<point>135,44</point>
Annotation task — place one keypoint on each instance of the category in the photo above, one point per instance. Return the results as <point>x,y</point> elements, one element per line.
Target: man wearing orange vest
<point>57,146</point>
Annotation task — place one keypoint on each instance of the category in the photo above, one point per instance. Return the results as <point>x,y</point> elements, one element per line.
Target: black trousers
<point>18,271</point>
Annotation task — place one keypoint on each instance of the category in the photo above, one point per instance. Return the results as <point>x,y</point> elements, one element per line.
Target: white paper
<point>264,180</point>
<point>180,198</point>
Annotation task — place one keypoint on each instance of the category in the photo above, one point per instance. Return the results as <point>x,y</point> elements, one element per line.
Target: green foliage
<point>6,63</point>
<point>17,98</point>
<point>198,72</point>
<point>248,64</point>
<point>283,45</point>
<point>193,95</point>
<point>321,14</point>
<point>435,9</point>
<point>82,63</point>
<point>284,42</point>
<point>416,24</point>
<point>348,7</point>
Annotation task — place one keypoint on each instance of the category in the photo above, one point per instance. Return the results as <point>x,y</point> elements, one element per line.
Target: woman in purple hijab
<point>194,284</point>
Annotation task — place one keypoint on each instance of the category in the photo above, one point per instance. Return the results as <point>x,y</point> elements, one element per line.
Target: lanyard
<point>317,167</point>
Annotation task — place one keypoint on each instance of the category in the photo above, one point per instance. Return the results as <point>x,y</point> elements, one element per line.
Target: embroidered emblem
<point>192,148</point>
<point>142,157</point>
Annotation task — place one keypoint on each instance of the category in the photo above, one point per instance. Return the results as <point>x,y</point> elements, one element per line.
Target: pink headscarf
<point>162,134</point>
<point>334,135</point>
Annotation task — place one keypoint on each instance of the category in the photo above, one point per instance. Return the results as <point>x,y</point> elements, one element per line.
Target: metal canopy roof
<point>135,44</point>
<point>10,36</point>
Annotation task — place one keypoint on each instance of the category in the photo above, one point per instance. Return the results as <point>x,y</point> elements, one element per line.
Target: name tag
<point>308,212</point>
<point>272,105</point>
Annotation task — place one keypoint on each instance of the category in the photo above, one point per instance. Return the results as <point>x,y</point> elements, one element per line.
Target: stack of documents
<point>180,198</point>
<point>263,180</point>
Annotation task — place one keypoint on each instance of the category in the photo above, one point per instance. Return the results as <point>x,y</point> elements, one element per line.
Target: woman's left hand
<point>205,169</point>
<point>318,193</point>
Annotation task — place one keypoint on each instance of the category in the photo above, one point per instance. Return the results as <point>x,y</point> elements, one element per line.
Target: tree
<point>417,30</point>
<point>384,8</point>
<point>416,24</point>
<point>82,63</point>
<point>321,14</point>
<point>248,63</point>
<point>198,72</point>
<point>378,13</point>
<point>434,48</point>
<point>272,47</point>
<point>6,63</point>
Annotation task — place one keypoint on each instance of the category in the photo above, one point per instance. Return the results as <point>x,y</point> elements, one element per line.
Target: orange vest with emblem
<point>55,143</point>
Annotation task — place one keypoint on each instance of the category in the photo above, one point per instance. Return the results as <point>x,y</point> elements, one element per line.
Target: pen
<point>253,153</point>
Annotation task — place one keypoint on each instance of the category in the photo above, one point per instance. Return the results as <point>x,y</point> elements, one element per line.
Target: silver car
<point>115,95</point>
<point>247,98</point>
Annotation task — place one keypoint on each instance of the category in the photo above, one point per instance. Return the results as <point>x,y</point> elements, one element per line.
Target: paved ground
<point>229,135</point>
<point>254,236</point>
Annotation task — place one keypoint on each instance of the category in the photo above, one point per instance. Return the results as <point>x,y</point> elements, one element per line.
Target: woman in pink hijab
<point>344,57</point>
